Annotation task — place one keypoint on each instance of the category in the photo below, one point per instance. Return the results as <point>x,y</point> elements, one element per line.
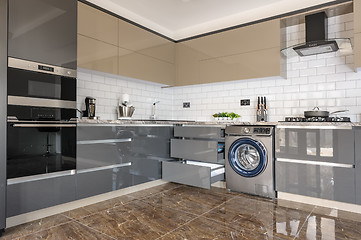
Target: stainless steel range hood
<point>316,39</point>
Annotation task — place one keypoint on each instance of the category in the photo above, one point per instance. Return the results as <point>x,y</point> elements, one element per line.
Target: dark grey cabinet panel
<point>332,183</point>
<point>99,146</point>
<point>3,110</point>
<point>102,181</point>
<point>202,132</point>
<point>44,31</point>
<point>199,150</point>
<point>34,195</point>
<point>358,164</point>
<point>316,144</point>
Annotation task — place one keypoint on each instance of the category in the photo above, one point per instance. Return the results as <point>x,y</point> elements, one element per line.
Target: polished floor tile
<point>174,211</point>
<point>34,226</point>
<point>137,220</point>
<point>189,199</point>
<point>71,230</point>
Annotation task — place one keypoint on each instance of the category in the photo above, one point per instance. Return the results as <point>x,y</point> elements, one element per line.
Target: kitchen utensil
<point>89,108</point>
<point>124,111</point>
<point>261,112</point>
<point>316,112</point>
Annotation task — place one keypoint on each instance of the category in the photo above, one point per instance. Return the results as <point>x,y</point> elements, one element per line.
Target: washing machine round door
<point>247,157</point>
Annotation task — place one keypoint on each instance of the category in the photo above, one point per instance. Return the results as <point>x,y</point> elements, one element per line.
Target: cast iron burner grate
<point>317,119</point>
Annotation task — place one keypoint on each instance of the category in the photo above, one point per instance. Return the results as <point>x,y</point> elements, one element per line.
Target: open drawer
<point>197,174</point>
<point>198,150</point>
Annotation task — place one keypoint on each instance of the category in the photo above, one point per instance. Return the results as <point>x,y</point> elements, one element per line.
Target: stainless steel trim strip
<point>105,167</point>
<point>314,127</point>
<point>33,66</point>
<point>40,177</point>
<point>26,125</point>
<point>40,102</point>
<point>41,122</point>
<point>343,165</point>
<point>104,141</point>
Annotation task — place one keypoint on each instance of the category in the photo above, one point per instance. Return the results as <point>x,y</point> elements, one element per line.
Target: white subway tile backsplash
<point>326,70</point>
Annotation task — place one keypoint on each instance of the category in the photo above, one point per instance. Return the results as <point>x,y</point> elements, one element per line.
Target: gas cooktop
<point>317,119</point>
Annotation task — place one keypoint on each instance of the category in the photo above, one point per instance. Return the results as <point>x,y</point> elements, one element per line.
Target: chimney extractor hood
<point>316,39</point>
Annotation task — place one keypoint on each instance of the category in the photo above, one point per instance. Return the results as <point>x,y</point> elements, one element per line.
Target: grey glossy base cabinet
<point>34,195</point>
<point>112,157</point>
<point>109,158</point>
<point>199,154</point>
<point>317,162</point>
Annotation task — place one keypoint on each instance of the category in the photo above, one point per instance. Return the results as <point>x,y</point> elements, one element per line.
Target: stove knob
<point>246,130</point>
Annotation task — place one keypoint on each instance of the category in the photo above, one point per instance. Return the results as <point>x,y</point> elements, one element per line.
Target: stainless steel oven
<point>41,125</point>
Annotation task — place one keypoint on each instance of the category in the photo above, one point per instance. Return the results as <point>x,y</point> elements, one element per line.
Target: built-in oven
<point>41,128</point>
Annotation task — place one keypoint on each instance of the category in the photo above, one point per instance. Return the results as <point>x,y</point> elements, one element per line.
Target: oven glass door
<point>39,148</point>
<point>24,83</point>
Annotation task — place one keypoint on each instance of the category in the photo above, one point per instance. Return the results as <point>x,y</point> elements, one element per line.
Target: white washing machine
<point>250,159</point>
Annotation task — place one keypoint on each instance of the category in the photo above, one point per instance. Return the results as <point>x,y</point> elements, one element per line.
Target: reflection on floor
<point>173,211</point>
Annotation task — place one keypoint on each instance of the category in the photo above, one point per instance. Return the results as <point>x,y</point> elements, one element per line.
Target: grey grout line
<point>308,216</point>
<point>201,215</point>
<point>45,229</point>
<point>95,230</point>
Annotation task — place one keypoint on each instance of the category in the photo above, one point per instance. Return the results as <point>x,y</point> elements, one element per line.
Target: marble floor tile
<point>174,211</point>
<point>34,226</point>
<point>97,207</point>
<point>137,220</point>
<point>154,190</point>
<point>326,227</point>
<point>204,228</point>
<point>192,200</point>
<point>71,230</point>
<point>237,209</point>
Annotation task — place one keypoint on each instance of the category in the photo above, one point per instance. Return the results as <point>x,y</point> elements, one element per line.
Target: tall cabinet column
<point>3,107</point>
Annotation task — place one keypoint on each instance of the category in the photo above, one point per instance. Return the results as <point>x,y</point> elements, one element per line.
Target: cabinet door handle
<point>105,167</point>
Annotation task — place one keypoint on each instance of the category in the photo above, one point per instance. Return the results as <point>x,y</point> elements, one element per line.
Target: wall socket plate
<point>245,102</point>
<point>186,105</point>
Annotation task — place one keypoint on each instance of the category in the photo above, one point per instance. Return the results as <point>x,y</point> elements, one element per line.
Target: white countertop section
<point>135,122</point>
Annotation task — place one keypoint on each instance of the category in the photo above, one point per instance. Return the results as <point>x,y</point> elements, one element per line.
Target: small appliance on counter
<point>125,108</point>
<point>90,108</point>
<point>261,109</point>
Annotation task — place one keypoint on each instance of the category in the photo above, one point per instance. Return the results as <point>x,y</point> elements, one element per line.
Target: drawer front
<point>34,195</point>
<point>198,132</point>
<point>193,175</point>
<point>327,182</point>
<point>358,164</point>
<point>316,144</point>
<point>198,150</point>
<point>92,182</point>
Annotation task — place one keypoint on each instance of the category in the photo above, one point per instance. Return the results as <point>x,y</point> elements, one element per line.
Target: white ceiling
<point>180,19</point>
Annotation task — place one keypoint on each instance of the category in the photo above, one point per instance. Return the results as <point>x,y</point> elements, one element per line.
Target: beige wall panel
<point>241,40</point>
<point>357,51</point>
<point>97,55</point>
<point>97,24</point>
<point>187,66</point>
<point>142,67</point>
<point>357,16</point>
<point>264,63</point>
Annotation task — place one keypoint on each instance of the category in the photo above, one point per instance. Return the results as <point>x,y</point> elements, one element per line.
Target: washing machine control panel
<point>262,130</point>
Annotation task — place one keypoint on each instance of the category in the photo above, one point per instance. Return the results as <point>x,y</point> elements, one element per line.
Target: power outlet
<point>245,102</point>
<point>186,105</point>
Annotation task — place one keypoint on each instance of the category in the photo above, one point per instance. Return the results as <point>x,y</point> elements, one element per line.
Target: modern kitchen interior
<point>180,119</point>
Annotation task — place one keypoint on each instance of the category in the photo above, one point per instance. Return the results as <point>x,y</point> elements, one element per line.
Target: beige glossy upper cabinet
<point>357,34</point>
<point>243,53</point>
<point>97,55</point>
<point>97,40</point>
<point>152,57</point>
<point>97,24</point>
